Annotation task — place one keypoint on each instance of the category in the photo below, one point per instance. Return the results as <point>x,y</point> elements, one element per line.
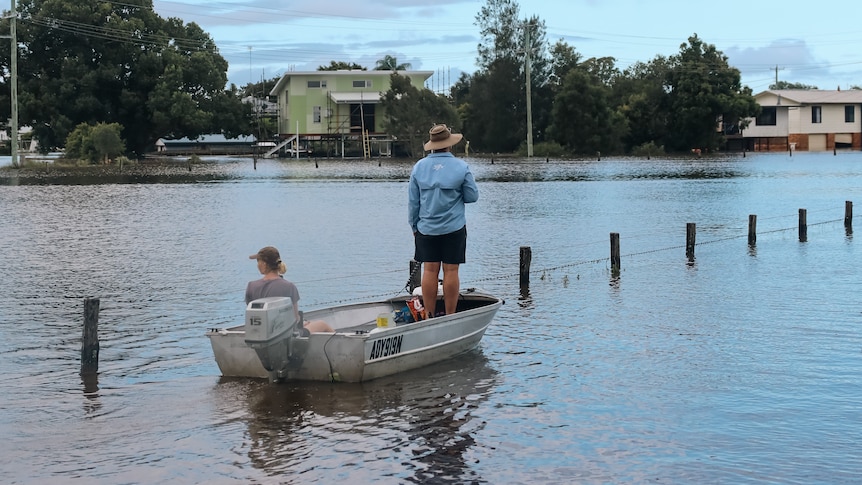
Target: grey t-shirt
<point>276,287</point>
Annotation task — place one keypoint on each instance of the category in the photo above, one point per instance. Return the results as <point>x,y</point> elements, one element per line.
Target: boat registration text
<point>385,347</point>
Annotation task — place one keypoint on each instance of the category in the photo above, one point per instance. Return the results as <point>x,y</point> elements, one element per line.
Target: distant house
<point>207,145</point>
<point>261,106</point>
<point>806,120</point>
<point>335,108</point>
<point>26,142</point>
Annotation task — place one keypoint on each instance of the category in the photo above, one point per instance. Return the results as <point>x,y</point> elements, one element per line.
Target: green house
<point>337,112</point>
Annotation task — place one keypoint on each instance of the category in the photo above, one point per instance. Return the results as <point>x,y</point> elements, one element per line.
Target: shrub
<point>544,149</point>
<point>647,149</point>
<point>91,143</point>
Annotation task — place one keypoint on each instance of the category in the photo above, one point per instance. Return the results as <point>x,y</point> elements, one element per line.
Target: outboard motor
<point>271,326</point>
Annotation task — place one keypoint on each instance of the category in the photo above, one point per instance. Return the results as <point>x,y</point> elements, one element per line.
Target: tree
<point>603,68</point>
<point>341,66</point>
<point>460,97</point>
<point>496,108</point>
<point>583,118</point>
<point>259,89</point>
<point>230,119</point>
<point>499,87</point>
<point>789,85</point>
<point>703,92</point>
<point>389,63</point>
<point>500,31</point>
<point>94,61</point>
<point>411,112</point>
<point>640,96</point>
<point>79,144</point>
<point>564,59</point>
<point>95,142</point>
<point>107,141</point>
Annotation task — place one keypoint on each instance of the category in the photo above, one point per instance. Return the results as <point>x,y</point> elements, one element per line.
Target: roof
<point>811,96</point>
<point>367,97</point>
<point>279,86</point>
<point>203,139</point>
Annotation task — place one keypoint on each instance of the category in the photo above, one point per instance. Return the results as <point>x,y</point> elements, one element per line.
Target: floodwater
<point>744,366</point>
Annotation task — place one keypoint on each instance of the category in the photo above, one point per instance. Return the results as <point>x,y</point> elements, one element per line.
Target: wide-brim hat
<point>441,137</point>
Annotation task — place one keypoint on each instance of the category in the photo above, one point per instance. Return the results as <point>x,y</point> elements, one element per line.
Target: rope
<point>543,271</point>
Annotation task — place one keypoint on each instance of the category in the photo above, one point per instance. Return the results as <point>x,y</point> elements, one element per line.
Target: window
<point>361,84</point>
<point>849,113</point>
<point>767,116</point>
<point>316,114</point>
<point>317,84</point>
<point>816,114</point>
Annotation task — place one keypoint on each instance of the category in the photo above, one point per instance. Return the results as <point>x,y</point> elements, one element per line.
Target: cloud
<point>269,12</point>
<point>784,53</point>
<point>792,60</point>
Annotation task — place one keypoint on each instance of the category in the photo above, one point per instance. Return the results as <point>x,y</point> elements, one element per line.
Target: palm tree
<point>390,63</point>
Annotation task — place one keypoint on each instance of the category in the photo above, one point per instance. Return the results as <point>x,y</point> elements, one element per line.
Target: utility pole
<point>529,100</point>
<point>13,93</point>
<point>776,75</point>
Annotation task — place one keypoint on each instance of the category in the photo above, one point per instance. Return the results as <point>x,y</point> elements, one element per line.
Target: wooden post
<point>526,258</point>
<point>90,338</point>
<point>615,253</point>
<point>415,280</point>
<point>803,225</point>
<point>752,229</point>
<point>690,233</point>
<point>848,213</point>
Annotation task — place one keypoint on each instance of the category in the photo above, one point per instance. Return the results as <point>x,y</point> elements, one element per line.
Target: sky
<point>813,43</point>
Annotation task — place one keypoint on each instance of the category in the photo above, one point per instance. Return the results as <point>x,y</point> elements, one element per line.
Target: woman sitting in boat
<point>272,268</point>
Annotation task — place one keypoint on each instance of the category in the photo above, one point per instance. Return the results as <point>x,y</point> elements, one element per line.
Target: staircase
<point>278,147</point>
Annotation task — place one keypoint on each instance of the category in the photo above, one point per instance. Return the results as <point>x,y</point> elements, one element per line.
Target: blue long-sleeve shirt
<point>440,185</point>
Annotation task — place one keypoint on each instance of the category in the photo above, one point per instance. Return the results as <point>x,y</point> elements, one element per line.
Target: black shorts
<point>447,248</point>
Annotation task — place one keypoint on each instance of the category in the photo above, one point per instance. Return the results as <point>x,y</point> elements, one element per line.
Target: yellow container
<point>385,320</point>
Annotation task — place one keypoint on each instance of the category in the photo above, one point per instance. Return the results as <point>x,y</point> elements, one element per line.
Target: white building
<point>807,120</point>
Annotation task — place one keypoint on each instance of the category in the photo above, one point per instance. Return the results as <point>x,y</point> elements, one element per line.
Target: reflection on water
<point>741,366</point>
<point>422,419</point>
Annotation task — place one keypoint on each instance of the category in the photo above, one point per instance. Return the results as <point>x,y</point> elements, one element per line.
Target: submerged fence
<point>690,242</point>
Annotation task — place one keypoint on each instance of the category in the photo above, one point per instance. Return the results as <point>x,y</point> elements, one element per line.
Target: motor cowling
<point>270,327</point>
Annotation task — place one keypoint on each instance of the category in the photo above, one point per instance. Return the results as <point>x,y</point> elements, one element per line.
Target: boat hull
<point>358,350</point>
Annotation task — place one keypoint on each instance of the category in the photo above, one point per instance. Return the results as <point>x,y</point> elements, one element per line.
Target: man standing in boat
<point>440,185</point>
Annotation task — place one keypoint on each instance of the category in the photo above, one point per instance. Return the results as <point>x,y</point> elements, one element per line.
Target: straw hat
<point>442,137</point>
